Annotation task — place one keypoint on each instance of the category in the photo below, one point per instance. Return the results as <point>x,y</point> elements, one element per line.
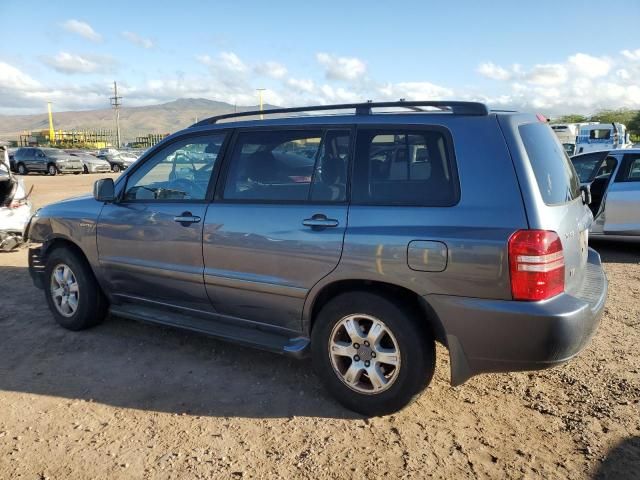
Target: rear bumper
<point>504,336</point>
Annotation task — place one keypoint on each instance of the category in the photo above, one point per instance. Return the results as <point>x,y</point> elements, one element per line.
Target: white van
<point>602,136</point>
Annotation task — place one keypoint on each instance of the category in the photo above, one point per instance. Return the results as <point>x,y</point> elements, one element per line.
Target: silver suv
<point>362,238</point>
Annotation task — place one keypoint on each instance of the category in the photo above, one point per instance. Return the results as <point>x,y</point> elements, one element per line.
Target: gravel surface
<point>128,400</point>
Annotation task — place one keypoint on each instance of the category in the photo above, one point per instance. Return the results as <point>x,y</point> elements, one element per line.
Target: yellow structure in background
<point>52,133</point>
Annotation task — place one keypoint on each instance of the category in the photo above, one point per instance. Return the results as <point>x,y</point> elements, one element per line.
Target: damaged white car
<point>15,207</point>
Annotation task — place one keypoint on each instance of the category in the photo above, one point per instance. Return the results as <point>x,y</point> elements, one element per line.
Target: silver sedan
<point>614,177</point>
<point>92,164</point>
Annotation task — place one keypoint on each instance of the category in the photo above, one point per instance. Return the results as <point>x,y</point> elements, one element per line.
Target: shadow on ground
<point>617,251</point>
<point>134,365</point>
<point>622,462</point>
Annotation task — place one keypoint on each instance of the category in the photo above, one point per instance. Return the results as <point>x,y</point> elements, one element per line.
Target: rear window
<point>557,179</point>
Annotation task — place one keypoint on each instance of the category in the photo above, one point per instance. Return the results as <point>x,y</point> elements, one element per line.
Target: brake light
<point>541,118</point>
<point>536,265</point>
<point>17,203</point>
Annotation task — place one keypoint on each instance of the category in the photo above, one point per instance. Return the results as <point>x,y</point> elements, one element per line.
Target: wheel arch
<point>407,297</point>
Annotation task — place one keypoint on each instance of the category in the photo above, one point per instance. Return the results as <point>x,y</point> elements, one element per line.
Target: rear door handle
<point>186,219</point>
<point>320,221</point>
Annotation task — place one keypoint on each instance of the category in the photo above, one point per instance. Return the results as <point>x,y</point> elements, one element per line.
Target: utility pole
<point>52,132</point>
<point>260,90</point>
<point>115,104</point>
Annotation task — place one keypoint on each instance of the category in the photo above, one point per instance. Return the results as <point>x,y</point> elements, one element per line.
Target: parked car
<point>461,225</point>
<point>614,179</point>
<point>15,207</point>
<point>118,160</point>
<point>91,163</point>
<point>45,160</point>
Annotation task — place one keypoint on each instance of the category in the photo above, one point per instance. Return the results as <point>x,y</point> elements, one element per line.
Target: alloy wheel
<point>364,353</point>
<point>65,290</point>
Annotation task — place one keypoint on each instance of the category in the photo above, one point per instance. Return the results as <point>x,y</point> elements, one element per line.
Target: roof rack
<point>458,108</point>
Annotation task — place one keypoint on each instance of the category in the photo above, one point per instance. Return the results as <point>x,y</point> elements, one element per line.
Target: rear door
<point>277,225</point>
<point>551,192</point>
<point>622,201</point>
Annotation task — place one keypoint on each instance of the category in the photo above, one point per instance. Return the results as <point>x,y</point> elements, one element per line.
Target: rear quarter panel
<point>475,231</point>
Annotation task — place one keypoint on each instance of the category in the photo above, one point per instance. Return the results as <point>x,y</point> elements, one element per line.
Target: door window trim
<point>324,128</point>
<point>228,132</point>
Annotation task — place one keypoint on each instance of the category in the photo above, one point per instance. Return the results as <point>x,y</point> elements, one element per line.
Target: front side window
<point>180,171</point>
<point>396,167</point>
<point>587,165</point>
<point>288,165</point>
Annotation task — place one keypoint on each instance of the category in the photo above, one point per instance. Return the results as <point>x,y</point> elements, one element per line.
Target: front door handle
<point>186,219</point>
<point>320,221</point>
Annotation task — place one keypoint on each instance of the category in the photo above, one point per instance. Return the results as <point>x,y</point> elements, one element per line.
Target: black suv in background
<point>45,160</point>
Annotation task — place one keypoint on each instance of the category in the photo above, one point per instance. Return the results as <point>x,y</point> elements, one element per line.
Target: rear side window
<point>404,167</point>
<point>289,166</point>
<point>557,179</point>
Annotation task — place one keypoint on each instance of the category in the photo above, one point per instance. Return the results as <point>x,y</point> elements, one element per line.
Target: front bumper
<point>99,168</point>
<point>36,266</point>
<point>504,335</point>
<point>67,168</point>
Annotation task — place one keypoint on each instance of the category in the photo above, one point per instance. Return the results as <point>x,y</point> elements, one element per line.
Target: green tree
<point>571,118</point>
<point>622,115</point>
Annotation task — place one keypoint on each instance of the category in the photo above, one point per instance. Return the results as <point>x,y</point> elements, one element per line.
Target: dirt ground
<point>128,400</point>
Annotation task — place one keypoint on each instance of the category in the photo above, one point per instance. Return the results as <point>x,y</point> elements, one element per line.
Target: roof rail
<point>458,108</point>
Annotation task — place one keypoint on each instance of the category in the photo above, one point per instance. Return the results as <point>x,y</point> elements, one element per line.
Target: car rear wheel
<point>22,170</point>
<point>72,292</point>
<point>115,167</point>
<point>371,353</point>
<point>85,169</point>
<point>51,169</point>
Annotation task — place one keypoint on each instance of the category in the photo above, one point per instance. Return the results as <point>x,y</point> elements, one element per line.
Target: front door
<point>150,240</point>
<point>621,212</point>
<point>278,226</point>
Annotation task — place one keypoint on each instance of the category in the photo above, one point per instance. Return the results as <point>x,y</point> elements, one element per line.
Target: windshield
<point>53,152</point>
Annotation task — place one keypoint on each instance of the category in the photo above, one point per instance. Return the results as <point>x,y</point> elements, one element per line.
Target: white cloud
<point>493,71</point>
<point>414,91</point>
<point>301,85</point>
<point>224,61</point>
<point>12,78</point>
<point>341,68</point>
<point>137,39</point>
<point>271,69</point>
<point>547,74</point>
<point>83,29</point>
<point>590,66</point>
<point>623,74</point>
<point>65,62</point>
<point>631,54</point>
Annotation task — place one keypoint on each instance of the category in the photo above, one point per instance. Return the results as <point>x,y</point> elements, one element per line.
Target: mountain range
<point>163,118</point>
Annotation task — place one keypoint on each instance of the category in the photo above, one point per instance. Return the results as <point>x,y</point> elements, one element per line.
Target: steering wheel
<point>189,187</point>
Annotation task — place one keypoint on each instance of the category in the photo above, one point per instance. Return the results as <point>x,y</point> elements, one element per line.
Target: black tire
<point>22,169</point>
<point>85,169</point>
<point>417,352</point>
<point>91,304</point>
<point>52,169</point>
<point>115,168</point>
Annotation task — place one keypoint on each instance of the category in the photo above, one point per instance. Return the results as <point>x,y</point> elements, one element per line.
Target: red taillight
<point>536,265</point>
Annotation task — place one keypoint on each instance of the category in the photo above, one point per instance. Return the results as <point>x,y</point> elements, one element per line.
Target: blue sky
<point>548,56</point>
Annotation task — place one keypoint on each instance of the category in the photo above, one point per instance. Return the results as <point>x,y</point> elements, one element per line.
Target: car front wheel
<point>72,292</point>
<point>22,170</point>
<point>372,353</point>
<point>52,170</point>
<point>115,167</point>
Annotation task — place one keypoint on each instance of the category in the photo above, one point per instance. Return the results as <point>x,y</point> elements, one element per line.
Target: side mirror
<point>104,190</point>
<point>585,190</point>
